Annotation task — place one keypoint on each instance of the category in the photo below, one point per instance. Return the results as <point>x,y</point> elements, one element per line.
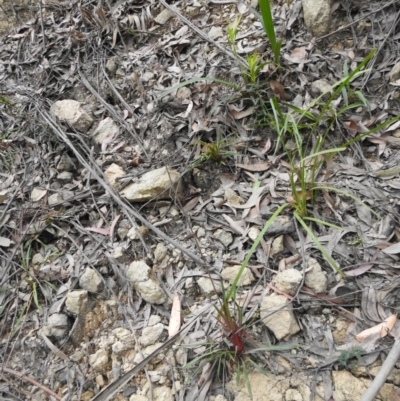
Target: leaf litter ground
<point>118,61</point>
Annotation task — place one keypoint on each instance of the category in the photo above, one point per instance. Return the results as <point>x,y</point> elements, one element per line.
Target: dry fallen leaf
<point>291,199</point>
<point>381,329</point>
<point>351,126</point>
<point>278,89</point>
<point>392,249</point>
<point>103,231</point>
<point>136,161</point>
<point>191,204</point>
<point>255,167</point>
<point>298,56</point>
<point>238,115</point>
<point>175,319</point>
<point>4,242</point>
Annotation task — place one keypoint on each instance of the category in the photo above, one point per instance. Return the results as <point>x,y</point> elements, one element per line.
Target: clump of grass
<point>216,152</point>
<point>237,350</point>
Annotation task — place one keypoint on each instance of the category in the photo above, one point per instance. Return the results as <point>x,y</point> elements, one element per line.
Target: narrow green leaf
<point>232,292</point>
<point>328,258</point>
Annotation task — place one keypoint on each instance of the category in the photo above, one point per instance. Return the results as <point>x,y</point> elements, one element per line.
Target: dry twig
<point>384,372</point>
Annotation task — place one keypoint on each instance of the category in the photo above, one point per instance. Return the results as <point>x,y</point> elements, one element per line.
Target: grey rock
<point>111,66</point>
<point>67,194</point>
<point>91,281</point>
<point>321,86</point>
<point>77,301</point>
<point>150,335</point>
<point>65,176</point>
<point>163,393</point>
<point>138,397</point>
<point>144,283</point>
<point>147,76</point>
<point>215,32</point>
<point>207,286</point>
<point>37,259</point>
<point>162,183</point>
<point>316,278</point>
<point>70,111</point>
<point>201,232</point>
<point>223,236</point>
<point>37,194</point>
<point>277,246</point>
<point>118,252</point>
<point>121,332</point>
<point>183,93</point>
<point>163,17</point>
<point>253,233</point>
<point>149,350</point>
<point>135,233</point>
<point>232,197</point>
<point>115,369</point>
<point>120,347</point>
<point>160,252</point>
<point>106,129</point>
<point>394,74</point>
<point>65,164</point>
<point>317,16</point>
<point>112,173</point>
<point>281,225</point>
<point>123,229</point>
<point>77,356</point>
<point>58,325</point>
<point>153,320</point>
<point>288,281</point>
<point>230,273</point>
<point>99,360</point>
<point>278,317</point>
<point>53,199</point>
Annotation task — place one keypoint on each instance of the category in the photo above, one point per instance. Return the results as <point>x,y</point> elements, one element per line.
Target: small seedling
<point>255,66</point>
<point>237,348</point>
<point>346,357</point>
<point>213,152</point>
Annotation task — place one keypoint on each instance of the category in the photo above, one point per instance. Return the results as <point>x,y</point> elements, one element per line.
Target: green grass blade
<point>325,223</point>
<point>232,291</point>
<point>268,24</point>
<point>35,297</point>
<point>324,152</point>
<point>359,201</point>
<point>246,379</point>
<point>328,258</point>
<point>373,130</point>
<point>273,348</point>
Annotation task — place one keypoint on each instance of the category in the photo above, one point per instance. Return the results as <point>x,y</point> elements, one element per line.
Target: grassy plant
<point>255,66</point>
<point>268,25</point>
<point>232,30</point>
<point>238,349</point>
<point>306,164</point>
<point>213,152</point>
<point>346,357</point>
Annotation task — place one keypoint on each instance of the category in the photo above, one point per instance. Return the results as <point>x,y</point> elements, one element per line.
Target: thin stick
<point>42,25</point>
<point>383,374</point>
<point>33,381</point>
